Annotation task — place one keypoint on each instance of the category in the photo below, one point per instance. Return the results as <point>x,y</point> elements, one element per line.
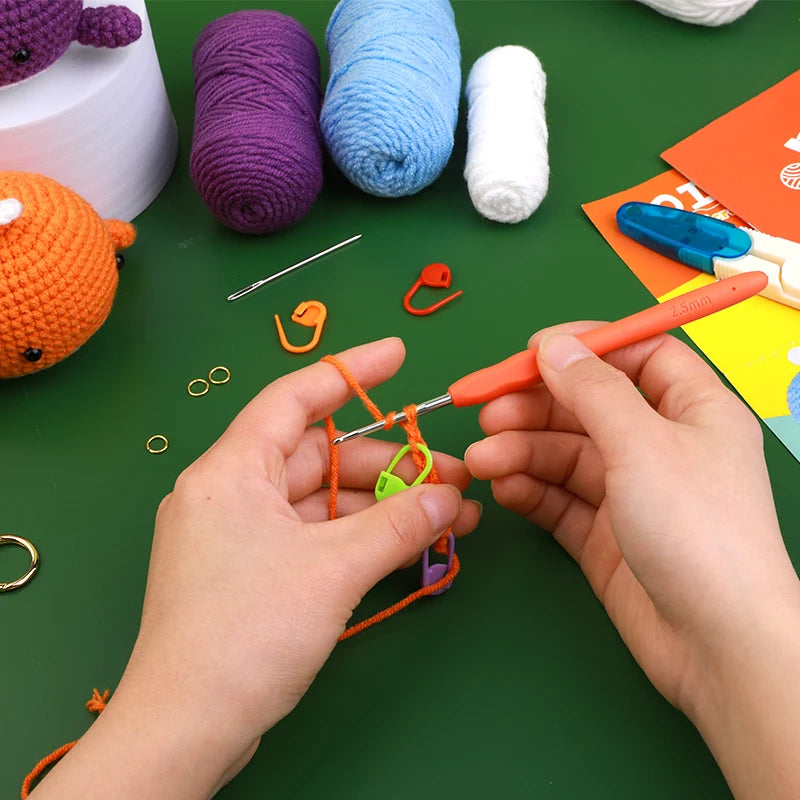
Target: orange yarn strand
<point>96,703</point>
<point>405,602</point>
<point>43,765</point>
<point>354,385</point>
<point>330,429</point>
<point>411,428</point>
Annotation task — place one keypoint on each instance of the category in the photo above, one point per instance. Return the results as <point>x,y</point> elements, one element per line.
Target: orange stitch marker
<point>435,276</point>
<point>310,313</point>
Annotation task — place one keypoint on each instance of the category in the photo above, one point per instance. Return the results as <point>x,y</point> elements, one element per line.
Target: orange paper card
<point>749,159</point>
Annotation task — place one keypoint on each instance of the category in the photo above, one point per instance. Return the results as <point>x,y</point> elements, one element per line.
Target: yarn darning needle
<point>258,284</point>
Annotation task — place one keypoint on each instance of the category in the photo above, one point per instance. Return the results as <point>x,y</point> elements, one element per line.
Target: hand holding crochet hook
<point>650,474</point>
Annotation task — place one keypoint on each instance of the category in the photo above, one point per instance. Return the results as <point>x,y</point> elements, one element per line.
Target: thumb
<point>382,538</point>
<point>602,398</point>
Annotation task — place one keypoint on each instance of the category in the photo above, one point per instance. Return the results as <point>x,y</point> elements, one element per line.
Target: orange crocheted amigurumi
<point>58,271</point>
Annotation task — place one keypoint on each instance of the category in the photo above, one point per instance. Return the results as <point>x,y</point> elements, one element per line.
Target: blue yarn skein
<point>391,104</point>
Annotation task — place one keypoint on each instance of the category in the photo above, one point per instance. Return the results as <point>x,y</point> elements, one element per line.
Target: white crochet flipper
<point>10,209</point>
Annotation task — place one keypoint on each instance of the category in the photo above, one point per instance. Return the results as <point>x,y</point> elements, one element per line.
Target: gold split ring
<point>153,440</point>
<point>18,540</point>
<point>203,387</point>
<point>226,375</point>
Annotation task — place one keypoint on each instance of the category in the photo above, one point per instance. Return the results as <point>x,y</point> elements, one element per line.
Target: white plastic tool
<point>778,258</point>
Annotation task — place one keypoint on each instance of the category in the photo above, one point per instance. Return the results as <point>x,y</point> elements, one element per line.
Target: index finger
<point>280,413</point>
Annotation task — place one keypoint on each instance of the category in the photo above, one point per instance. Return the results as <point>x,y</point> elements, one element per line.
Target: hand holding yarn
<point>58,271</point>
<point>293,575</point>
<point>36,33</point>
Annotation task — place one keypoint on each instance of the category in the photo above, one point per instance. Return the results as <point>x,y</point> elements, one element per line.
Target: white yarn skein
<point>702,12</point>
<point>507,169</point>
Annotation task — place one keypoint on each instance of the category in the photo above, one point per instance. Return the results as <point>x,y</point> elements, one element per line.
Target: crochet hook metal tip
<point>400,416</point>
<point>264,281</point>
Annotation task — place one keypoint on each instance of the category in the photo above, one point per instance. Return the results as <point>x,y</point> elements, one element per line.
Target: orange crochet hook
<point>521,371</point>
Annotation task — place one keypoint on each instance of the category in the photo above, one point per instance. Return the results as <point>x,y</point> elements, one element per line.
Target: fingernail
<point>441,505</point>
<point>466,452</point>
<point>534,340</point>
<point>560,350</point>
<point>479,505</point>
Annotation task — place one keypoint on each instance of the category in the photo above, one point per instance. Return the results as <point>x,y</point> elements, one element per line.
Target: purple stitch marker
<point>435,572</point>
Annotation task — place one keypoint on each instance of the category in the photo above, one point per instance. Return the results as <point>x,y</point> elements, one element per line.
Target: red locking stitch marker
<point>435,276</point>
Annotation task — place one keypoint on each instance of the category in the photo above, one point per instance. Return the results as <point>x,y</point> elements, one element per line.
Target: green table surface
<point>514,682</point>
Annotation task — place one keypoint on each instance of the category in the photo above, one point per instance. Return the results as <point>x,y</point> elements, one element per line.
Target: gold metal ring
<point>226,375</point>
<point>157,438</point>
<point>204,387</point>
<point>18,540</point>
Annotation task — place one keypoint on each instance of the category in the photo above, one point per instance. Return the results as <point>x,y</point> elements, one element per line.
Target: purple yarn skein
<point>257,148</point>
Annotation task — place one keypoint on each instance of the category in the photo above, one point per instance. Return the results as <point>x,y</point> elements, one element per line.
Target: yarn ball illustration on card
<point>35,33</point>
<point>58,271</point>
<point>793,389</point>
<point>793,397</point>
